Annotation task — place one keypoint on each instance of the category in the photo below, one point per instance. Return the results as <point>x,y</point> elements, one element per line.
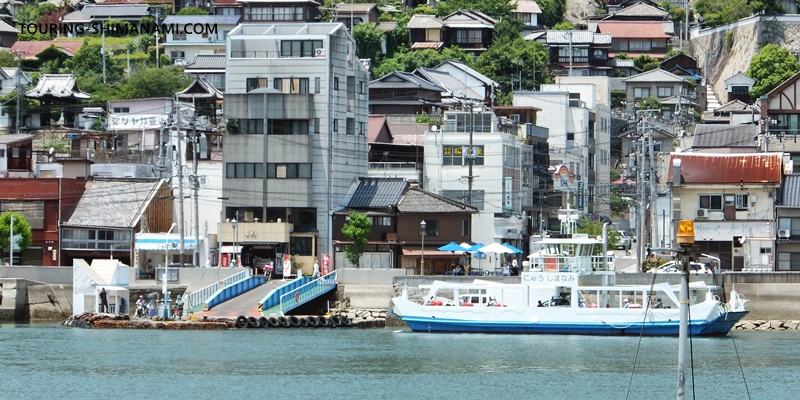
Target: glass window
<point>296,48</point>
<point>711,201</point>
<point>301,246</point>
<point>244,170</point>
<point>251,126</point>
<point>287,127</point>
<point>641,93</point>
<point>742,201</point>
<point>291,85</point>
<point>664,91</point>
<point>255,83</point>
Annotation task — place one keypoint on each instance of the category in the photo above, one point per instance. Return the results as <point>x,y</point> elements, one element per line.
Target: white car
<point>623,241</point>
<point>673,267</point>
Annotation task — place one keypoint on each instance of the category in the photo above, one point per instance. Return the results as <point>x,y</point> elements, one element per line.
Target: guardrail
<point>308,291</point>
<point>199,297</point>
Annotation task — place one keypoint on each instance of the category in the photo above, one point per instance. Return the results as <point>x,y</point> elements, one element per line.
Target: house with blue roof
<point>196,35</point>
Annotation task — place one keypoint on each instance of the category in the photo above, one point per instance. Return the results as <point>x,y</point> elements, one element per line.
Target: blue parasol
<point>514,249</point>
<point>453,247</point>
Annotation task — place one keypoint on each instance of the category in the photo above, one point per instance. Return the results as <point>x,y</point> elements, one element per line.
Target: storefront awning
<point>431,253</point>
<point>157,241</point>
<point>230,249</point>
<point>260,243</point>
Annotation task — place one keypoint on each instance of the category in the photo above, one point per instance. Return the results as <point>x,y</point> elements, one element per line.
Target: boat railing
<point>556,263</point>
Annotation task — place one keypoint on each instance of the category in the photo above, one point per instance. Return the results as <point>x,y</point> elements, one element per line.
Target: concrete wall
<point>362,276</point>
<point>54,275</point>
<point>186,275</point>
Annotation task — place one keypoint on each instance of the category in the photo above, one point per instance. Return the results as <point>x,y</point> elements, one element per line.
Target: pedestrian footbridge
<point>244,294</point>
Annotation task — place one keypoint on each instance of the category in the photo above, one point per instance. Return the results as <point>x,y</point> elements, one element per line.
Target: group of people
<point>146,308</point>
<point>513,270</point>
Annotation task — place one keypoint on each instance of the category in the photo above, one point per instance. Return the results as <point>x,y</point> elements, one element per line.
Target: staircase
<point>712,103</point>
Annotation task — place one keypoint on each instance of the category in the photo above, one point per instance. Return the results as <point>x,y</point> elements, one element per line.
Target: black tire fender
<point>335,320</point>
<point>322,321</point>
<point>241,321</point>
<point>263,322</point>
<point>273,322</point>
<point>284,322</point>
<point>347,322</point>
<point>312,322</point>
<point>294,321</point>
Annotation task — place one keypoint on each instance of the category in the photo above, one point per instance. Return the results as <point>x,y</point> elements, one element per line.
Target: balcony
<point>537,131</point>
<point>258,232</point>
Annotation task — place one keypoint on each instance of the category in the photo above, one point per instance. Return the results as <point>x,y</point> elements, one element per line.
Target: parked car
<point>623,241</point>
<point>673,267</point>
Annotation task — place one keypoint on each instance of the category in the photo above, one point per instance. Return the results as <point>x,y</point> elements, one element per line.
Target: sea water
<point>44,361</point>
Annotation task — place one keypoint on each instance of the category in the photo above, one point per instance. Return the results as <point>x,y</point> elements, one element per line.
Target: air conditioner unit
<point>702,213</point>
<point>783,233</point>
<point>319,53</point>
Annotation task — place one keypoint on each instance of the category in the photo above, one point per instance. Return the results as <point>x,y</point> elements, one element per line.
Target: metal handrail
<point>199,297</point>
<point>308,291</point>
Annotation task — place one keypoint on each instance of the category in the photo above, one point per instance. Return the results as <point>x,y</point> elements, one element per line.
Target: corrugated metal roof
<point>654,75</point>
<point>387,26</point>
<point>621,63</point>
<point>113,203</point>
<point>564,37</point>
<point>791,191</point>
<point>703,168</point>
<point>57,85</point>
<point>376,193</point>
<point>421,21</point>
<point>14,138</point>
<point>426,45</point>
<point>715,136</point>
<point>417,200</point>
<point>633,29</point>
<point>528,7</point>
<point>202,19</point>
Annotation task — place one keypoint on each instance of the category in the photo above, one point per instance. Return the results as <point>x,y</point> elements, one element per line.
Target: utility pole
<point>103,51</point>
<point>196,188</point>
<point>11,240</point>
<point>180,153</point>
<point>651,167</point>
<point>640,209</point>
<point>158,14</point>
<point>19,89</point>
<point>570,53</point>
<point>128,50</point>
<point>471,155</point>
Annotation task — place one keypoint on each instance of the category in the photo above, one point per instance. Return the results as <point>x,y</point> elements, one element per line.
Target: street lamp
<point>235,226</point>
<point>422,232</point>
<point>166,270</point>
<point>11,240</point>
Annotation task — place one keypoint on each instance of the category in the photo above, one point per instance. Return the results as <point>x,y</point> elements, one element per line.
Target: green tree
<point>408,61</point>
<point>650,103</point>
<point>155,82</point>
<point>88,60</point>
<point>7,59</point>
<point>770,67</point>
<point>21,227</point>
<point>564,26</point>
<point>496,9</point>
<point>356,231</point>
<point>622,56</point>
<point>595,229</point>
<point>552,11</point>
<point>614,174</point>
<point>645,62</point>
<point>512,58</point>
<point>192,11</point>
<point>368,40</point>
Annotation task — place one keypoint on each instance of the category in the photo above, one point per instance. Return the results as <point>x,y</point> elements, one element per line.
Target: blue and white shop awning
<point>157,241</point>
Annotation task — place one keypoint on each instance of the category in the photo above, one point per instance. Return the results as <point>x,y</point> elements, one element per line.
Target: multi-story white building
<point>501,172</point>
<point>296,105</point>
<point>577,113</point>
<point>197,34</point>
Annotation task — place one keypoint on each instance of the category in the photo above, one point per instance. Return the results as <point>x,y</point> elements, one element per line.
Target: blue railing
<point>273,298</point>
<point>308,292</point>
<point>198,297</point>
<point>231,291</point>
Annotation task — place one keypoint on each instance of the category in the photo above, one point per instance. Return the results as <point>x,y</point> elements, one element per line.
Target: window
<point>92,239</point>
<point>335,83</point>
<point>301,245</point>
<point>288,171</point>
<point>579,54</point>
<point>335,125</point>
<point>362,87</point>
<point>316,85</point>
<point>639,45</point>
<point>431,227</point>
<point>2,153</point>
<point>244,170</point>
<point>180,35</point>
<point>121,110</point>
<point>177,55</point>
<point>381,221</point>
<point>570,136</point>
<point>255,83</point>
<point>790,224</point>
<point>457,155</point>
<point>664,91</point>
<point>742,201</point>
<point>350,127</point>
<point>291,85</point>
<point>287,127</point>
<point>316,125</point>
<point>15,152</point>
<point>469,36</point>
<point>362,128</point>
<point>299,48</point>
<point>465,227</point>
<point>711,201</point>
<point>740,90</point>
<point>788,261</point>
<point>641,93</point>
<point>251,126</point>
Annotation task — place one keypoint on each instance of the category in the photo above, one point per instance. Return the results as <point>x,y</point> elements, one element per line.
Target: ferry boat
<point>568,290</point>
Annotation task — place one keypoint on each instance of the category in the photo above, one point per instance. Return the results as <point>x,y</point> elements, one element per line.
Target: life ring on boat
<point>263,322</point>
<point>468,305</point>
<point>436,303</point>
<point>312,321</point>
<point>241,321</point>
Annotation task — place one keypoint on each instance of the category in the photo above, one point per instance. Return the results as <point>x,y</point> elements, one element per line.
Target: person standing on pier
<point>103,301</point>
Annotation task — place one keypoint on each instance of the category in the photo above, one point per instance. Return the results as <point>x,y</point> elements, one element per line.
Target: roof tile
<point>122,202</point>
<point>377,193</point>
<point>417,200</point>
<point>706,168</point>
<point>633,29</point>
